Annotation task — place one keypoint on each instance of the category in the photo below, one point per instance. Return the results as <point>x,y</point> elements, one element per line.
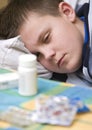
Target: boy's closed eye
<point>46,38</point>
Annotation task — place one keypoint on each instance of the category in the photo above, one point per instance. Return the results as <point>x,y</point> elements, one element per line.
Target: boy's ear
<point>67,10</point>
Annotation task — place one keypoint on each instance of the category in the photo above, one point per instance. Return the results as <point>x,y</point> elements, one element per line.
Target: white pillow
<point>11,49</point>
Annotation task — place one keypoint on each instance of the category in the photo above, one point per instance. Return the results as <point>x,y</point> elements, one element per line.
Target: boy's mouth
<point>61,60</point>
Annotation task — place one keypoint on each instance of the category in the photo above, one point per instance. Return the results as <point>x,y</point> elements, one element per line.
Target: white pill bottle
<point>27,71</point>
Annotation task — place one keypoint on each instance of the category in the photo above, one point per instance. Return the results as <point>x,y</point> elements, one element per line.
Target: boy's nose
<point>48,54</point>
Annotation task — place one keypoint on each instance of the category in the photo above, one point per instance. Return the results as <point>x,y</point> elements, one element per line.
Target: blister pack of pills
<point>56,110</point>
<point>16,116</point>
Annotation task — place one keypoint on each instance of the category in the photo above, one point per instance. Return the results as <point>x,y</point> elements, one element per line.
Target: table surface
<point>10,97</point>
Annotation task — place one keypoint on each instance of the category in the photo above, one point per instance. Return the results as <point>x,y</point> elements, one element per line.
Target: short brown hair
<point>14,14</point>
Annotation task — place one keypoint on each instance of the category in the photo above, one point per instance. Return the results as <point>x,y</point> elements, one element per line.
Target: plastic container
<point>27,75</point>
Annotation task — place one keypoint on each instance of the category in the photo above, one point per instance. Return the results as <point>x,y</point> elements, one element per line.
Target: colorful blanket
<point>10,97</point>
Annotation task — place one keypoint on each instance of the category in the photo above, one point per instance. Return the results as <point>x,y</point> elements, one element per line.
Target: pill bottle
<point>27,71</point>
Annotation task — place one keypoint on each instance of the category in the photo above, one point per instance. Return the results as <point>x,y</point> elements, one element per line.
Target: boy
<point>52,30</point>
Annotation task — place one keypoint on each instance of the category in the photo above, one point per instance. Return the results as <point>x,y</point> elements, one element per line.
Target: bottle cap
<point>27,60</point>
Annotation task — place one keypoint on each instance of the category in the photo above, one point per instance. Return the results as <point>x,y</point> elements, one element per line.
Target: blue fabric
<point>86,34</point>
<point>86,37</point>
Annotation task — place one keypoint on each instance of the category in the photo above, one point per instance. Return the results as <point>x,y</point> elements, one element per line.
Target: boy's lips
<point>60,62</point>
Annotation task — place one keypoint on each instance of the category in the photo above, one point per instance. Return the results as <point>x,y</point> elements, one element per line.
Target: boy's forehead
<point>35,25</point>
<point>35,21</point>
<point>33,16</point>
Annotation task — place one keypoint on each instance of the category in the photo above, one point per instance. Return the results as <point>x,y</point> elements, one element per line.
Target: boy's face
<point>58,41</point>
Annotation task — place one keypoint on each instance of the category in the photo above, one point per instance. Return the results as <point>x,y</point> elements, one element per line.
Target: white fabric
<point>11,49</point>
<point>74,79</point>
<point>90,22</point>
<point>72,2</point>
<point>76,3</point>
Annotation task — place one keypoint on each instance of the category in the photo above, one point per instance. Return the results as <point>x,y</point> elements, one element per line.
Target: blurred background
<point>3,3</point>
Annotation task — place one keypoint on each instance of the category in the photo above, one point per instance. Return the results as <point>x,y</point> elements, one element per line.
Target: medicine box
<point>8,78</point>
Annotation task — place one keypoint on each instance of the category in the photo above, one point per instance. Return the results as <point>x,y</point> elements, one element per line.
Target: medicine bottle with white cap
<point>27,75</point>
